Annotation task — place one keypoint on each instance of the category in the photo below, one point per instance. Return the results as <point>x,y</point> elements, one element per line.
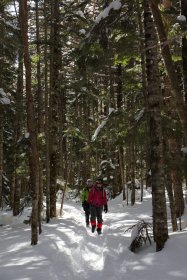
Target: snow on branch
<point>115,5</point>
<point>3,97</point>
<point>103,123</point>
<point>137,119</point>
<point>81,14</point>
<point>108,16</point>
<point>8,24</point>
<point>181,18</point>
<point>184,150</point>
<point>141,232</point>
<point>94,137</point>
<point>107,162</point>
<point>139,115</point>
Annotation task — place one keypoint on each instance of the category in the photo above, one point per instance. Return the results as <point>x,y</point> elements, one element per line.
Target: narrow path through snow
<point>67,250</point>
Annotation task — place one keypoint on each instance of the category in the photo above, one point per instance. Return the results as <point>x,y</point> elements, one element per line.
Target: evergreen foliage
<point>141,233</point>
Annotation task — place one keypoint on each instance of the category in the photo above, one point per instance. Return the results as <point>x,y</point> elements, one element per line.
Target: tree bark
<point>39,91</point>
<point>47,162</point>
<point>55,88</point>
<point>1,156</point>
<point>172,203</point>
<point>19,123</point>
<point>172,75</point>
<point>174,153</point>
<point>160,229</point>
<point>133,187</point>
<point>31,125</point>
<point>119,102</point>
<point>184,49</point>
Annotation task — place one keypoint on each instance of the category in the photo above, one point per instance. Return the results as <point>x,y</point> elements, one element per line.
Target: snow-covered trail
<point>82,254</point>
<point>67,250</point>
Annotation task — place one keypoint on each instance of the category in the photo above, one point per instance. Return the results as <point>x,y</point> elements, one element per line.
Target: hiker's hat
<point>89,182</point>
<point>99,180</point>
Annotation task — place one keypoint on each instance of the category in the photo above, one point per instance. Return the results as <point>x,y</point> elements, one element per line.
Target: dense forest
<point>92,88</point>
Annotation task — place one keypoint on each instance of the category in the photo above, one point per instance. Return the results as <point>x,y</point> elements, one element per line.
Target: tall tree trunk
<point>122,171</point>
<point>172,75</point>
<point>62,127</point>
<point>40,114</point>
<point>184,49</point>
<point>34,156</point>
<point>160,229</point>
<point>142,177</point>
<point>1,119</point>
<point>174,151</point>
<point>143,81</point>
<point>128,168</point>
<point>120,147</point>
<point>172,202</point>
<point>86,128</point>
<point>55,82</point>
<point>178,193</point>
<point>175,172</point>
<point>133,187</point>
<point>39,91</point>
<point>47,162</point>
<point>1,155</point>
<point>69,166</point>
<point>16,189</point>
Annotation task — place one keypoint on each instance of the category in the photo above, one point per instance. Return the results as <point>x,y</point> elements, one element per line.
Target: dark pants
<point>96,213</point>
<point>86,208</point>
<point>87,216</point>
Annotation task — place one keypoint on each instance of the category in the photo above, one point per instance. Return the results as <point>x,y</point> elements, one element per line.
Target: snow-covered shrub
<point>137,184</point>
<point>25,202</point>
<point>73,194</point>
<point>141,232</point>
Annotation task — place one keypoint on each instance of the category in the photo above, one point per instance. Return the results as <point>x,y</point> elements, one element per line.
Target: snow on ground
<point>67,250</point>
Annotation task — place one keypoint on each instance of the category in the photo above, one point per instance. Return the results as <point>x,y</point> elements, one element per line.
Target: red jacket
<point>97,196</point>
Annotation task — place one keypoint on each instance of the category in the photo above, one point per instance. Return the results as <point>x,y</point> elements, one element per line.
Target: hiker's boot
<point>99,230</point>
<point>93,228</point>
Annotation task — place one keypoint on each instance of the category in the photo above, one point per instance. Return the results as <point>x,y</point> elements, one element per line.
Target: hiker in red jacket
<point>97,200</point>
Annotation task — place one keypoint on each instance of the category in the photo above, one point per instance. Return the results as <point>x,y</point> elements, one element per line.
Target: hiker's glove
<point>105,208</point>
